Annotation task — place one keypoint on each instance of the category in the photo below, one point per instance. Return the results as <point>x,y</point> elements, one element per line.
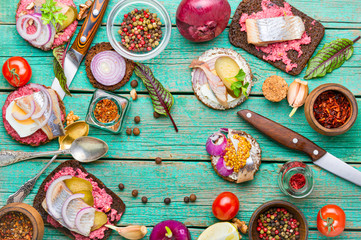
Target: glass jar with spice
<point>107,111</point>
<point>295,179</point>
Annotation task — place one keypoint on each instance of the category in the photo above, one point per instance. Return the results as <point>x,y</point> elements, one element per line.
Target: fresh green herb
<point>239,86</point>
<point>330,57</point>
<point>162,99</point>
<point>50,13</point>
<point>58,67</point>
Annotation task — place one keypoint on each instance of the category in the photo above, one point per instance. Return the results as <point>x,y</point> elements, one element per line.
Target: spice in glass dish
<point>140,30</point>
<point>332,109</point>
<point>15,225</point>
<point>297,181</point>
<point>106,110</point>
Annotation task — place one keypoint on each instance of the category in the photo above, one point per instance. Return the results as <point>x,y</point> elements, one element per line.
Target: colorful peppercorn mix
<point>106,111</point>
<point>278,224</point>
<point>238,159</point>
<point>332,109</point>
<point>140,30</point>
<point>15,225</point>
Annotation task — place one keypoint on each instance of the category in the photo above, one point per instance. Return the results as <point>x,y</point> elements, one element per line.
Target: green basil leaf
<point>330,57</point>
<point>59,74</point>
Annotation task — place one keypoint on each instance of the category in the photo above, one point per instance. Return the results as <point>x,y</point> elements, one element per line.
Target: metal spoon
<point>72,132</point>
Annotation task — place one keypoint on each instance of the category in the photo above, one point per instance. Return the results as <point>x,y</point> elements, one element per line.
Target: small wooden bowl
<point>31,213</point>
<point>298,215</point>
<point>311,117</point>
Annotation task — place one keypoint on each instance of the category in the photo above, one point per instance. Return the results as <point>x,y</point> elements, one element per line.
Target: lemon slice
<point>220,231</point>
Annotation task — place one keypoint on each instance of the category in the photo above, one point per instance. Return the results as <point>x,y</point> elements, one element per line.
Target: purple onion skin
<point>202,20</point>
<point>216,150</point>
<point>221,168</point>
<point>179,231</point>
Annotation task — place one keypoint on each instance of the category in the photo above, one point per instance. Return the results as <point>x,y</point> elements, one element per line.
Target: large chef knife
<point>293,140</point>
<point>82,43</point>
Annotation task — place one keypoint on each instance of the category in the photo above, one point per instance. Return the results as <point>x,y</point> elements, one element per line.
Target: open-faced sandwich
<point>221,79</point>
<point>276,32</point>
<point>77,203</point>
<point>235,157</point>
<point>34,114</point>
<point>46,24</point>
<point>107,69</point>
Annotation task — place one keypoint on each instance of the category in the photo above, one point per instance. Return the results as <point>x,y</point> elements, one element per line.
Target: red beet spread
<point>102,202</point>
<point>36,139</point>
<point>277,51</point>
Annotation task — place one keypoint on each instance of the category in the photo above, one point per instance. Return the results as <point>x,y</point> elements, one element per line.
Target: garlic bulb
<point>134,232</point>
<point>297,94</point>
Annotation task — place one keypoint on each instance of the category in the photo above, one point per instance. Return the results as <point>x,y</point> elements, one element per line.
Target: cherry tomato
<point>225,206</point>
<point>331,220</point>
<point>17,71</point>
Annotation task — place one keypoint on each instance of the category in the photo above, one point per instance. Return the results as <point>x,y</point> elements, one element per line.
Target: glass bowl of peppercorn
<point>139,29</point>
<point>331,109</point>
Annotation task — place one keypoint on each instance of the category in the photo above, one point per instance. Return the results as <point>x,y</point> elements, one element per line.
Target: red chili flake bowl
<point>331,109</point>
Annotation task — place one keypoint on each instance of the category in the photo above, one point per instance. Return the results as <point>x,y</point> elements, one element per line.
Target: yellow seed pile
<point>237,160</point>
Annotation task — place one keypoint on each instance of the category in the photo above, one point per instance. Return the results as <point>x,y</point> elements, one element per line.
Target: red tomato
<point>331,220</point>
<point>17,71</point>
<point>225,206</point>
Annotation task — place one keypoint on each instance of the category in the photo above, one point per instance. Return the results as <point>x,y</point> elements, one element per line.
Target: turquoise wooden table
<point>186,168</point>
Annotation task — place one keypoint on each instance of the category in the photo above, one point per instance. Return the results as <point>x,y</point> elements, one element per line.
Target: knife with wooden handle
<point>81,44</point>
<point>295,141</point>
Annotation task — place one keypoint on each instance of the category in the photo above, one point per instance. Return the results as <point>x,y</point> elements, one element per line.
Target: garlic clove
<point>292,92</point>
<point>301,95</point>
<point>297,94</point>
<point>134,232</point>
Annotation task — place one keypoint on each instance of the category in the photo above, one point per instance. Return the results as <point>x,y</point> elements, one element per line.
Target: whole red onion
<point>202,20</point>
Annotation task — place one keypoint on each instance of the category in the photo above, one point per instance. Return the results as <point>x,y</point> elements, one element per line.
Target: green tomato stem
<point>169,232</point>
<point>329,223</point>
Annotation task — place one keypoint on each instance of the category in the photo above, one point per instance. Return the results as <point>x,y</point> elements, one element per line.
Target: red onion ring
<point>216,144</point>
<point>20,27</point>
<point>222,168</point>
<point>44,37</point>
<point>108,67</point>
<point>65,206</point>
<point>50,102</point>
<point>78,224</point>
<point>22,117</point>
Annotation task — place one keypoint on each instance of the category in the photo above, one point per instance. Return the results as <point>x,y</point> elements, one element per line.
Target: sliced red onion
<point>216,144</point>
<point>70,220</point>
<point>222,168</point>
<point>49,194</point>
<point>84,226</point>
<point>38,15</point>
<point>50,103</point>
<point>46,97</point>
<point>20,27</point>
<point>108,68</point>
<point>22,117</point>
<point>44,37</point>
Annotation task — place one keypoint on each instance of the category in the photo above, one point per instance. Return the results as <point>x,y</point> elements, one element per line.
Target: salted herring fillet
<point>216,84</point>
<point>261,32</point>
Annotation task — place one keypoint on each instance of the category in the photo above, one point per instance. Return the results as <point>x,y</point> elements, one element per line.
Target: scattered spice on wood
<point>156,115</point>
<point>137,119</point>
<point>332,109</point>
<point>134,83</point>
<point>158,160</point>
<point>15,225</point>
<point>167,201</point>
<point>136,131</point>
<point>121,186</point>
<point>193,197</point>
<point>144,199</point>
<point>186,199</point>
<point>297,181</point>
<point>106,111</point>
<point>129,131</point>
<point>135,193</point>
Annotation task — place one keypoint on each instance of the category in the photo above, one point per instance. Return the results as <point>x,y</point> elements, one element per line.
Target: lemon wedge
<point>220,231</point>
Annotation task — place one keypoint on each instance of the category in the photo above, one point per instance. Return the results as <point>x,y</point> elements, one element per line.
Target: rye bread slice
<point>100,47</point>
<point>63,111</point>
<point>313,28</point>
<point>248,171</point>
<point>117,204</point>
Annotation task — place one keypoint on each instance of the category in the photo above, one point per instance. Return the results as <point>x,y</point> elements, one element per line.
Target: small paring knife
<point>295,141</point>
<point>81,44</point>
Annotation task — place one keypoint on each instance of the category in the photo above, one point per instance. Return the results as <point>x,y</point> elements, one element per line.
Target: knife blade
<point>295,141</point>
<point>81,44</point>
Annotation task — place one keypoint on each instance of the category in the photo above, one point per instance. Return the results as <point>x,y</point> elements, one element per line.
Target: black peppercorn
<point>137,119</point>
<point>186,199</point>
<point>158,160</point>
<point>144,199</point>
<point>135,193</point>
<point>167,201</point>
<point>193,197</point>
<point>121,186</point>
<point>134,83</point>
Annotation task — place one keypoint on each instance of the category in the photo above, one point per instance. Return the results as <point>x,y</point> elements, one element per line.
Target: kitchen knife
<point>293,140</point>
<point>81,44</point>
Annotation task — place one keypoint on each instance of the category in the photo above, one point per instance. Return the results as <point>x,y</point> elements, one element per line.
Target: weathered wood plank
<point>196,122</point>
<point>344,11</point>
<point>178,179</point>
<point>171,66</point>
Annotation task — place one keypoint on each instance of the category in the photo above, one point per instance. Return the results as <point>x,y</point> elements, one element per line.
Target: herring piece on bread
<point>264,31</point>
